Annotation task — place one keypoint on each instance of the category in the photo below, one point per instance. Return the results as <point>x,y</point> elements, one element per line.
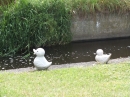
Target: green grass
<point>34,23</point>
<point>98,81</point>
<point>100,6</point>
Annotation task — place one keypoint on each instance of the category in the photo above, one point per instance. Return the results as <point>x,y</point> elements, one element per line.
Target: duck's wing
<point>42,63</point>
<point>107,58</point>
<point>50,63</point>
<point>103,58</point>
<point>99,59</point>
<point>38,63</point>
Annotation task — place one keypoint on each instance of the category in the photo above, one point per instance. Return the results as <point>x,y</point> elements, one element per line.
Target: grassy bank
<point>98,81</point>
<point>26,24</point>
<point>101,6</point>
<point>34,23</point>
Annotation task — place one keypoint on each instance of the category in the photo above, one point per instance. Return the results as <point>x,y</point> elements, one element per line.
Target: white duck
<point>40,61</point>
<point>102,58</point>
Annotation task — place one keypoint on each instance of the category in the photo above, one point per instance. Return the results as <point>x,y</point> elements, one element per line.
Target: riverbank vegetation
<point>97,81</point>
<point>34,23</point>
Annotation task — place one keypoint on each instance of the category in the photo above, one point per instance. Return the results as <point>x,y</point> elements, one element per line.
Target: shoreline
<point>80,64</point>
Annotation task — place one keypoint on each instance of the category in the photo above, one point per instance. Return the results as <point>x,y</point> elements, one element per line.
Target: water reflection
<point>15,62</point>
<point>72,53</point>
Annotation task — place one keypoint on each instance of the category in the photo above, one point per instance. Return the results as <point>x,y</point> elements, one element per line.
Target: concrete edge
<point>81,64</point>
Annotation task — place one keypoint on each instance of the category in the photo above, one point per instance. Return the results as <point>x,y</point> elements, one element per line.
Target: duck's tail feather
<point>50,63</point>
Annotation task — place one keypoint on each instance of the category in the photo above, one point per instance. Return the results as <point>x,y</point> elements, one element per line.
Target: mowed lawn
<point>111,80</point>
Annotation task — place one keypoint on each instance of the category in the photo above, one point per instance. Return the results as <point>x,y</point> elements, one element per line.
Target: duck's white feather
<point>102,58</point>
<point>40,61</point>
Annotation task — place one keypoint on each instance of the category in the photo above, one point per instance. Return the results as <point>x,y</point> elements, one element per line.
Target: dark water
<point>72,53</point>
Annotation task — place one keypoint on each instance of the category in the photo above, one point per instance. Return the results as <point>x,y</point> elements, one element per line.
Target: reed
<point>29,24</point>
<point>33,23</point>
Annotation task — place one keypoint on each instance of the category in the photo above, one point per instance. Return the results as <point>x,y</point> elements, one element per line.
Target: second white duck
<point>102,58</point>
<point>40,61</point>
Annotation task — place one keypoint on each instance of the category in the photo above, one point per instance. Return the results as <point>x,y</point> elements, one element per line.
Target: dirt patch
<point>81,64</point>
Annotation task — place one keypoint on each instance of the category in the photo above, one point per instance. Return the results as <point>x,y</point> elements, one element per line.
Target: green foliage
<point>33,23</point>
<point>101,6</point>
<point>27,24</point>
<point>6,2</point>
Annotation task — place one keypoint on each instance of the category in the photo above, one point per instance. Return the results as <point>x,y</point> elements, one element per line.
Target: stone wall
<point>100,26</point>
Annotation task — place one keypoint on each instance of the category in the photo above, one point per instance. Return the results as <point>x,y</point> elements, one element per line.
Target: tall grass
<point>29,24</point>
<point>33,23</point>
<point>101,6</point>
<point>6,2</point>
